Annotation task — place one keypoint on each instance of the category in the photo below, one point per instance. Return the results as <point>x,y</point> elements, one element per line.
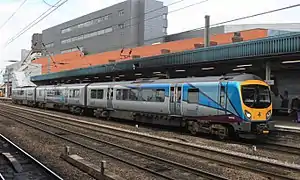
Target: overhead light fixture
<point>239,69</point>
<point>86,78</point>
<point>121,75</point>
<point>157,72</point>
<point>244,65</point>
<point>180,70</point>
<point>107,76</point>
<point>77,79</point>
<point>207,68</point>
<point>290,62</point>
<point>138,74</point>
<point>96,77</point>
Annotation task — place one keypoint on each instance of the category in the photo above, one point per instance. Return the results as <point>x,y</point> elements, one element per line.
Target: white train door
<point>175,99</point>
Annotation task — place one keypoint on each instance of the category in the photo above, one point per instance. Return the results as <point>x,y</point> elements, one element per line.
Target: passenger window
<point>93,94</point>
<point>119,94</point>
<point>193,96</point>
<point>133,94</point>
<point>160,95</point>
<point>125,94</point>
<point>76,93</point>
<point>100,94</point>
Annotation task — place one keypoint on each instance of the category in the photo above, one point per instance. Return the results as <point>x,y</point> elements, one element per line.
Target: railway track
<point>267,169</point>
<point>158,166</point>
<point>15,163</point>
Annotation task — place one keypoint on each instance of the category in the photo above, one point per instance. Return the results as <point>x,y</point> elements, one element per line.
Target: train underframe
<point>194,126</point>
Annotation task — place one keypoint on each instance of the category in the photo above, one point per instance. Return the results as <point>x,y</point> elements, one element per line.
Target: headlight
<point>269,113</point>
<point>248,114</point>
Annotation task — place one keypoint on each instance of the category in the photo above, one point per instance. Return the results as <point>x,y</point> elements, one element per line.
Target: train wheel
<point>222,133</point>
<point>193,127</point>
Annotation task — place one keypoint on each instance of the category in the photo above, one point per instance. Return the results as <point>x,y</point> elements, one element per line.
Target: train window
<point>133,94</point>
<point>160,95</point>
<point>93,93</point>
<point>97,93</point>
<point>100,94</point>
<point>74,93</point>
<point>147,95</point>
<point>40,92</point>
<point>21,92</point>
<point>153,95</point>
<point>193,95</point>
<point>125,94</point>
<point>119,94</point>
<point>57,93</point>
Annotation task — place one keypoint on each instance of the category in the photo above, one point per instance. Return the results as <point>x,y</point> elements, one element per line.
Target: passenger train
<point>219,105</point>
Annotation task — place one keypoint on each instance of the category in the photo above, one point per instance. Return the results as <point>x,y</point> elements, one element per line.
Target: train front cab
<point>257,108</point>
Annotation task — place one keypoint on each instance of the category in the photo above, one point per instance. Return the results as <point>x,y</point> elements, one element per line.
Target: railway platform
<point>287,123</point>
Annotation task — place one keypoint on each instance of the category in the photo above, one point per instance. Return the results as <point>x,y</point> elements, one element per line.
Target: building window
<point>86,24</point>
<point>87,35</point>
<point>121,12</point>
<point>121,26</point>
<point>164,30</point>
<point>49,45</point>
<point>71,50</point>
<point>164,16</point>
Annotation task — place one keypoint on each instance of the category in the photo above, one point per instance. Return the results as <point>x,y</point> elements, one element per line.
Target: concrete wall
<point>154,22</point>
<point>126,30</point>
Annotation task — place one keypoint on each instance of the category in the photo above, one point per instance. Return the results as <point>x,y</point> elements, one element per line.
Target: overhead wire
<point>12,15</point>
<point>36,21</point>
<point>45,2</point>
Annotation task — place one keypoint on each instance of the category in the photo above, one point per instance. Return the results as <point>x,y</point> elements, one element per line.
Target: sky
<point>178,21</point>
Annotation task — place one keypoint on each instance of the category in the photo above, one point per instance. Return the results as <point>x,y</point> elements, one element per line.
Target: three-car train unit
<point>219,105</point>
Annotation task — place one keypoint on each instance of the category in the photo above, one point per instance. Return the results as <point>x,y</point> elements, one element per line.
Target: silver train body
<point>172,102</point>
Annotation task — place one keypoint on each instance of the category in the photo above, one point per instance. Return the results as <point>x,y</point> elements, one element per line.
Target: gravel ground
<point>41,145</point>
<point>161,132</point>
<point>44,148</point>
<point>199,163</point>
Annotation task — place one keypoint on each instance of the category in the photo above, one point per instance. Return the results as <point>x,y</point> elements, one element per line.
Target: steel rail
<point>49,171</point>
<point>203,173</point>
<point>192,154</point>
